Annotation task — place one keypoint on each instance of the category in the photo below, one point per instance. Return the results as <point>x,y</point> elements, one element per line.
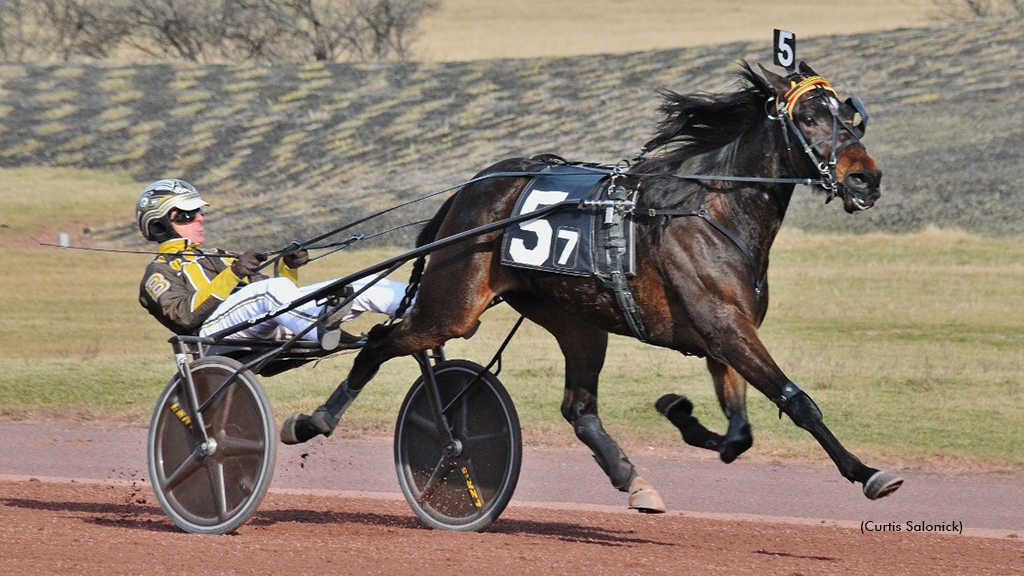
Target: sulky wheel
<point>212,487</point>
<point>468,489</point>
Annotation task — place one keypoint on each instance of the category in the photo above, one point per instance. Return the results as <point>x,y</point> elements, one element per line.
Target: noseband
<point>818,87</point>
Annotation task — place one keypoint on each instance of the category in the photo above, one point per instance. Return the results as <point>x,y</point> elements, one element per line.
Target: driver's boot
<point>328,330</point>
<point>299,428</point>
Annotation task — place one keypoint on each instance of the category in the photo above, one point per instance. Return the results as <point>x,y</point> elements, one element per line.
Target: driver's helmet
<point>158,200</point>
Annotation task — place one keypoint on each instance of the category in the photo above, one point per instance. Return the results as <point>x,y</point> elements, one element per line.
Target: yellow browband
<point>806,85</point>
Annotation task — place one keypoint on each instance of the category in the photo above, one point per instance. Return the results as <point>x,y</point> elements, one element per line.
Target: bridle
<point>782,110</point>
<point>818,87</point>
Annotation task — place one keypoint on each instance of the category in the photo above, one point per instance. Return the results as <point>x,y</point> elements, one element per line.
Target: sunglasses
<point>186,217</point>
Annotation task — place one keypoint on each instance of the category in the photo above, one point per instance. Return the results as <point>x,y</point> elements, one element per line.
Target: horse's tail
<point>413,287</point>
<point>427,235</point>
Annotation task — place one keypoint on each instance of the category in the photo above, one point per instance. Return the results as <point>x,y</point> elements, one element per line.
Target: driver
<point>192,290</point>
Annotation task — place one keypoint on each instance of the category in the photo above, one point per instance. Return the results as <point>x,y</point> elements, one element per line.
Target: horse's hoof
<point>298,428</point>
<point>730,451</point>
<point>644,498</point>
<point>736,442</point>
<point>881,484</point>
<point>672,402</point>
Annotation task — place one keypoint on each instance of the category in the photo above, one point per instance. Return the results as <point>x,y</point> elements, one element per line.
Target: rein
<point>586,169</point>
<point>117,250</point>
<point>783,112</point>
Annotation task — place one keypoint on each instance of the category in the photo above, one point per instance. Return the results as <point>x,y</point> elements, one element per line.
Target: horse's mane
<point>701,128</point>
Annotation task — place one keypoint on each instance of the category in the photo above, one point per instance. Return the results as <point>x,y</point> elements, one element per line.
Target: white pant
<point>273,294</point>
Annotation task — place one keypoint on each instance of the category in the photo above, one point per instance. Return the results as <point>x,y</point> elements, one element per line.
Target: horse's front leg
<point>805,413</point>
<point>745,352</point>
<point>731,389</point>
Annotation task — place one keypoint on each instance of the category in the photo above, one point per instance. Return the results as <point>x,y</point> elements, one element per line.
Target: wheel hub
<point>209,447</point>
<point>453,450</point>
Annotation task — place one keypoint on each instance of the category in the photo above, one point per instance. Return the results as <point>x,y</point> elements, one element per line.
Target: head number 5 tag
<point>785,49</point>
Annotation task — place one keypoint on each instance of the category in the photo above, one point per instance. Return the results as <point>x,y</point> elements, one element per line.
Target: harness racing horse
<point>700,282</point>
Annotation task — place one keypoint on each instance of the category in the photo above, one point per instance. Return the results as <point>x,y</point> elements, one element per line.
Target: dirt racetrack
<point>73,500</point>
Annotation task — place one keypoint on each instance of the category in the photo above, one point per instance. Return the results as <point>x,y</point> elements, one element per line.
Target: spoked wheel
<point>212,487</point>
<point>469,489</point>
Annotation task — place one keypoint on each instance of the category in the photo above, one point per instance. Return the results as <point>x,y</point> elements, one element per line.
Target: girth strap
<point>627,304</point>
<point>704,215</point>
<point>612,268</point>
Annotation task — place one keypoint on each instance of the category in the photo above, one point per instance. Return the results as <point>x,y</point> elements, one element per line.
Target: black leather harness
<point>615,206</point>
<point>615,246</point>
<point>702,213</point>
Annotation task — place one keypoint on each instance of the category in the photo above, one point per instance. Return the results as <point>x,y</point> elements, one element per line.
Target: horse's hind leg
<point>583,362</point>
<point>441,313</point>
<point>298,428</point>
<point>731,389</point>
<point>383,343</point>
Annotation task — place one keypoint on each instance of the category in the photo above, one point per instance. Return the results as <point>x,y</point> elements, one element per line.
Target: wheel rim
<point>469,491</point>
<point>213,492</point>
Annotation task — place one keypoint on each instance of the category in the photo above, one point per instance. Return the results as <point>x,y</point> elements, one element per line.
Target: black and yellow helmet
<point>153,210</point>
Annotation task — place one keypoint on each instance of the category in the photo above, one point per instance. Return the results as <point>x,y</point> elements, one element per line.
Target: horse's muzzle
<point>861,189</point>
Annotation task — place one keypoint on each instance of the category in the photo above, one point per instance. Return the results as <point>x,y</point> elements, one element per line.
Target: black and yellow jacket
<point>185,284</point>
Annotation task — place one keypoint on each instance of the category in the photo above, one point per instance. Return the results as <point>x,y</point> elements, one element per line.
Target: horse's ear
<point>778,83</point>
<point>805,69</point>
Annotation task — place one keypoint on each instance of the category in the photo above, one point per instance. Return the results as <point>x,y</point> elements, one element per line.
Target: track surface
<point>74,500</point>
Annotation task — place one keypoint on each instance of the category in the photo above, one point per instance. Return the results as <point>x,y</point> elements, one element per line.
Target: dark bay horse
<point>700,282</point>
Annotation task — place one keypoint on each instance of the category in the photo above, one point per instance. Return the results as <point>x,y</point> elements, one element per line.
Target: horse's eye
<point>807,120</point>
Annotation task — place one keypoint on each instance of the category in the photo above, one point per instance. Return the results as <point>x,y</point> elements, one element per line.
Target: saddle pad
<point>561,241</point>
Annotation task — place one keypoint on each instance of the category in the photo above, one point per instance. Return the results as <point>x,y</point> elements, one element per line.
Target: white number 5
<point>785,48</point>
<point>540,253</point>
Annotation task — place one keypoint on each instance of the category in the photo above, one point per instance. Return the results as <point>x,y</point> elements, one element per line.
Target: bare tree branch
<point>84,28</point>
<point>20,35</point>
<point>172,27</point>
<point>268,31</point>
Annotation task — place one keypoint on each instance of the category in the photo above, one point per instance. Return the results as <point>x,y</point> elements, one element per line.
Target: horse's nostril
<point>859,180</point>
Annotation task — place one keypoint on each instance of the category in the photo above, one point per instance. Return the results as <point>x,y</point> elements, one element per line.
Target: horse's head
<point>823,137</point>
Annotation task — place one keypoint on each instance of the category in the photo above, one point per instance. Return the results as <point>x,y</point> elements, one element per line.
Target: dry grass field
<point>484,29</point>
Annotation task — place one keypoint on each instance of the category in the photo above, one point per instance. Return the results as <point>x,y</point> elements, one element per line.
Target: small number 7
<point>573,238</point>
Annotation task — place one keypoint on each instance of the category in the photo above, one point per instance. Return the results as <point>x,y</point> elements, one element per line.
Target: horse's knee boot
<point>679,411</point>
<point>607,453</point>
<point>299,428</point>
<point>801,409</point>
